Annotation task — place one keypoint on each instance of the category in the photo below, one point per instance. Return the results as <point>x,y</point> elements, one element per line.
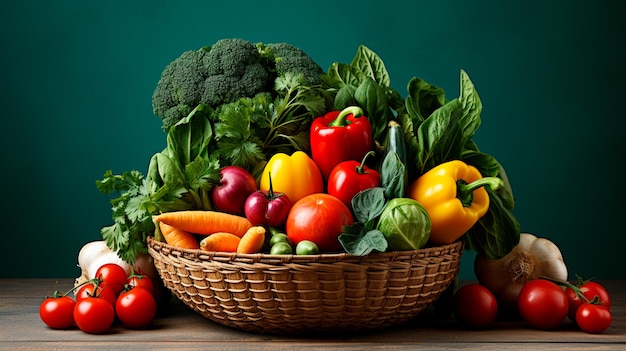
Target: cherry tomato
<point>100,289</point>
<point>94,315</point>
<point>136,307</point>
<point>57,312</point>
<point>319,218</point>
<point>114,275</point>
<point>475,306</point>
<point>281,248</point>
<point>307,247</point>
<point>590,290</point>
<point>593,318</point>
<point>140,281</point>
<point>542,304</point>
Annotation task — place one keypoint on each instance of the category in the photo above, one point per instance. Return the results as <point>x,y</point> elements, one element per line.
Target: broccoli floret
<point>214,75</point>
<point>224,72</point>
<point>284,57</point>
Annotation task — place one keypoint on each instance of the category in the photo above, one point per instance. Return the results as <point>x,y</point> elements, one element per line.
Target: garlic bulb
<point>530,259</point>
<point>96,253</point>
<point>93,255</point>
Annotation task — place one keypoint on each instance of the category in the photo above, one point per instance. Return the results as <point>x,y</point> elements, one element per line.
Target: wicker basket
<point>289,294</point>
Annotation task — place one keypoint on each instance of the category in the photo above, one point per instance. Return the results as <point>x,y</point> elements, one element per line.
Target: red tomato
<point>475,306</point>
<point>140,281</point>
<point>542,304</point>
<point>593,318</point>
<point>114,275</point>
<point>101,289</point>
<point>57,312</point>
<point>349,178</point>
<point>136,307</point>
<point>94,315</point>
<point>318,218</point>
<point>590,290</point>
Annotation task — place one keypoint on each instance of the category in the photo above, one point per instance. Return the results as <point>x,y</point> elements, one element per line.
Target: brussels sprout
<point>405,224</point>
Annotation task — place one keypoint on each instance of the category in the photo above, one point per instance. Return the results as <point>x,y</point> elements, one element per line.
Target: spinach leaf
<point>358,241</point>
<point>369,204</point>
<point>370,64</point>
<point>393,175</point>
<point>439,137</point>
<point>472,107</point>
<point>423,99</point>
<point>345,97</point>
<point>496,233</point>
<point>372,98</point>
<point>340,74</point>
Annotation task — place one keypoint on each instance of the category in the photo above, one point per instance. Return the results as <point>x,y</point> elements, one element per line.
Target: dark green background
<point>78,76</point>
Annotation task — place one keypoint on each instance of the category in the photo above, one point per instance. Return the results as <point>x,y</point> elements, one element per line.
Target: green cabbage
<point>405,224</point>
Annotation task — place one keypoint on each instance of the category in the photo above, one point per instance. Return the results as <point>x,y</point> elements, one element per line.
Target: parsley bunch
<point>250,130</point>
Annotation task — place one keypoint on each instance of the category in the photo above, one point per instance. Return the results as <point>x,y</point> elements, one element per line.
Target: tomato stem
<point>360,168</point>
<point>575,288</point>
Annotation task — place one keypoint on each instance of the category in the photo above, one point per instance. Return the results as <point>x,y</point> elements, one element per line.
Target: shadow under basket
<point>290,294</point>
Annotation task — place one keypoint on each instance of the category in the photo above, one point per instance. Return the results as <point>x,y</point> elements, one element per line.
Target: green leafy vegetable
<point>359,242</point>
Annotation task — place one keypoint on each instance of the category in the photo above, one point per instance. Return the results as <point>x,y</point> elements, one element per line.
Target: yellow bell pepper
<point>453,194</point>
<point>295,176</point>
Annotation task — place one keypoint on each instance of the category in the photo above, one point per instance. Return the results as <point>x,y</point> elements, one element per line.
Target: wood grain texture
<point>179,328</point>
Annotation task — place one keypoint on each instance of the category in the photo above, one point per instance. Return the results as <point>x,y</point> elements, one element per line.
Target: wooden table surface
<point>180,328</point>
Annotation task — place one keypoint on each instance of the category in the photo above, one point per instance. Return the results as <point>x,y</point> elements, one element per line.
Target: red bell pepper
<point>351,177</point>
<point>340,136</point>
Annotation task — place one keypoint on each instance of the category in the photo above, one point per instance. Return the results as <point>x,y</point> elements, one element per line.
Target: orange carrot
<point>221,242</point>
<point>205,222</point>
<point>252,241</point>
<point>177,237</point>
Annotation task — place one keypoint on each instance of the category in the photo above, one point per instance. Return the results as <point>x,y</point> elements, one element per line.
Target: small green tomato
<point>281,248</point>
<point>307,247</point>
<point>279,237</point>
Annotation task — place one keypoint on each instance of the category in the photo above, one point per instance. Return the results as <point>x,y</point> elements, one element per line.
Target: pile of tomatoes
<point>99,301</point>
<point>541,303</point>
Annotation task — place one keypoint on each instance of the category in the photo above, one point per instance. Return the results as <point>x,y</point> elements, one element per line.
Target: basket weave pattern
<point>292,294</point>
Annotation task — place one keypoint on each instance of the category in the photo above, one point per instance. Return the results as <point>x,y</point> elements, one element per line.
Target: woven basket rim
<point>204,256</point>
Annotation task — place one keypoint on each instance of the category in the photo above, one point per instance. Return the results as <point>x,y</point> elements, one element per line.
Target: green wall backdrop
<point>77,80</point>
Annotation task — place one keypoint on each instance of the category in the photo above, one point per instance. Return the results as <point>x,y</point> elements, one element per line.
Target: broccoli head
<point>223,73</point>
<point>213,75</point>
<point>284,57</point>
